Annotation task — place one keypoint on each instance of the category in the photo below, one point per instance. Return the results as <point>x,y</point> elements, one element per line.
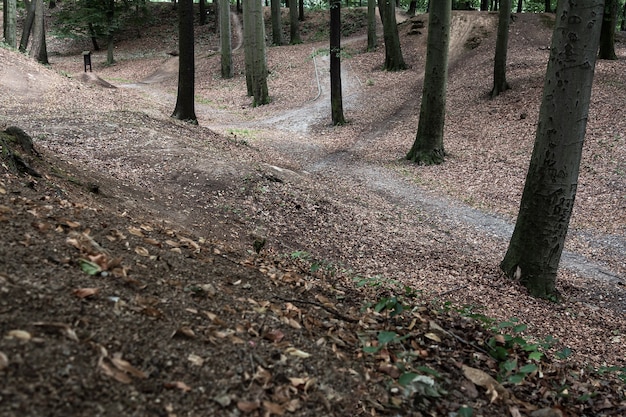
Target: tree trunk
<point>202,12</point>
<point>520,6</point>
<point>607,34</point>
<point>10,36</point>
<point>225,39</point>
<point>412,8</point>
<point>256,65</point>
<point>301,10</point>
<point>336,101</point>
<point>548,6</point>
<point>537,243</point>
<point>393,52</point>
<point>371,25</point>
<point>28,24</point>
<point>502,41</point>
<point>294,24</point>
<point>484,5</point>
<point>623,26</point>
<point>94,38</point>
<point>428,146</point>
<point>39,50</point>
<point>110,45</point>
<point>248,41</point>
<point>110,49</point>
<point>277,26</point>
<point>185,104</point>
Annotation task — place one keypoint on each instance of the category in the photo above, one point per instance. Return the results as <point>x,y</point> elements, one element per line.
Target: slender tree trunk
<point>484,5</point>
<point>520,6</point>
<point>202,12</point>
<point>39,50</point>
<point>4,18</point>
<point>412,8</point>
<point>607,34</point>
<point>537,243</point>
<point>185,100</point>
<point>336,100</point>
<point>301,10</point>
<point>371,25</point>
<point>259,64</point>
<point>110,49</point>
<point>393,52</point>
<point>248,41</point>
<point>623,26</point>
<point>94,38</point>
<point>502,41</point>
<point>10,36</point>
<point>548,6</point>
<point>428,146</point>
<point>110,45</point>
<point>225,39</point>
<point>28,24</point>
<point>277,24</point>
<point>293,22</point>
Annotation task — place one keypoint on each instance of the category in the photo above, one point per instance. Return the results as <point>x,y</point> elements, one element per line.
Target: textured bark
<point>484,5</point>
<point>336,101</point>
<point>10,35</point>
<point>412,8</point>
<point>537,243</point>
<point>39,50</point>
<point>202,12</point>
<point>607,35</point>
<point>258,65</point>
<point>277,27</point>
<point>502,41</point>
<point>294,24</point>
<point>110,45</point>
<point>428,146</point>
<point>393,52</point>
<point>371,25</point>
<point>28,24</point>
<point>548,6</point>
<point>225,39</point>
<point>520,4</point>
<point>248,40</point>
<point>185,104</point>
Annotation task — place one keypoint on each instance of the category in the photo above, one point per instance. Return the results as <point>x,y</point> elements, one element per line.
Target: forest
<point>313,208</point>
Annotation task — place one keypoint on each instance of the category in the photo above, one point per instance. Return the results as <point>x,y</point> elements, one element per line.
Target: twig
<point>328,309</point>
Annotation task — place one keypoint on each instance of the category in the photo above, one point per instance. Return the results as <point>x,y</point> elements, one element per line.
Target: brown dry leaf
<point>184,332</point>
<point>146,227</point>
<point>4,361</point>
<point>141,251</point>
<point>433,337</point>
<point>189,243</point>
<point>514,412</point>
<point>481,378</point>
<point>135,231</point>
<point>274,336</point>
<point>273,408</point>
<point>19,334</point>
<point>116,374</point>
<point>195,359</point>
<point>5,209</point>
<point>3,190</point>
<point>85,292</point>
<point>125,366</point>
<point>297,353</point>
<point>248,406</point>
<point>152,241</point>
<point>178,385</point>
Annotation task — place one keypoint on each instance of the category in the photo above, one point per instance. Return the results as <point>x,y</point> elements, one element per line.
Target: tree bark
<point>393,52</point>
<point>294,24</point>
<point>185,100</point>
<point>248,40</point>
<point>39,50</point>
<point>277,27</point>
<point>548,6</point>
<point>110,31</point>
<point>607,34</point>
<point>301,10</point>
<point>484,5</point>
<point>428,146</point>
<point>202,12</point>
<point>10,36</point>
<point>537,243</point>
<point>336,100</point>
<point>502,41</point>
<point>225,39</point>
<point>412,8</point>
<point>371,25</point>
<point>520,6</point>
<point>255,46</point>
<point>28,24</point>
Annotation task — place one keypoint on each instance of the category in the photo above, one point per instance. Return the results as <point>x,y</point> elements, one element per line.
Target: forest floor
<point>268,263</point>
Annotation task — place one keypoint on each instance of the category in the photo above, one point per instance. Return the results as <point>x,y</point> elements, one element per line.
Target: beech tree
<point>393,52</point>
<point>428,146</point>
<point>185,101</point>
<point>10,28</point>
<point>294,24</point>
<point>39,50</point>
<point>28,24</point>
<point>500,84</point>
<point>225,39</point>
<point>277,29</point>
<point>336,101</point>
<point>537,243</point>
<point>254,39</point>
<point>607,34</point>
<point>371,25</point>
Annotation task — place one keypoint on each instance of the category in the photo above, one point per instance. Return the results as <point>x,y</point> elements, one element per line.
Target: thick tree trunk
<point>277,26</point>
<point>537,243</point>
<point>484,5</point>
<point>607,34</point>
<point>336,100</point>
<point>10,36</point>
<point>428,146</point>
<point>502,41</point>
<point>110,45</point>
<point>28,24</point>
<point>256,47</point>
<point>185,100</point>
<point>39,50</point>
<point>371,25</point>
<point>301,10</point>
<point>225,39</point>
<point>294,24</point>
<point>393,52</point>
<point>110,49</point>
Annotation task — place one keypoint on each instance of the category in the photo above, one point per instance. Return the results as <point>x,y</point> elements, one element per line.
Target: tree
<point>623,26</point>
<point>39,50</point>
<point>548,7</point>
<point>256,65</point>
<point>10,29</point>
<point>371,25</point>
<point>225,39</point>
<point>520,5</point>
<point>202,12</point>
<point>185,104</point>
<point>499,65</point>
<point>484,5</point>
<point>412,8</point>
<point>537,243</point>
<point>393,52</point>
<point>111,28</point>
<point>277,30</point>
<point>428,146</point>
<point>28,24</point>
<point>294,24</point>
<point>607,33</point>
<point>336,101</point>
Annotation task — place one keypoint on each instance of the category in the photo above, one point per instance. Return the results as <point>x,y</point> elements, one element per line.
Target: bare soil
<point>233,268</point>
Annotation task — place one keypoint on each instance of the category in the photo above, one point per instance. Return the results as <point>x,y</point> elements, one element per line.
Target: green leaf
<point>427,370</point>
<point>505,324</point>
<point>529,368</point>
<point>89,267</point>
<point>385,337</point>
<point>564,354</point>
<point>407,378</point>
<point>516,379</point>
<point>520,328</point>
<point>465,411</point>
<point>535,356</point>
<point>371,349</point>
<point>510,365</point>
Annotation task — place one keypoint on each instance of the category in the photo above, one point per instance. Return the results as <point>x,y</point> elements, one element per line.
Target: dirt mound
<point>92,78</point>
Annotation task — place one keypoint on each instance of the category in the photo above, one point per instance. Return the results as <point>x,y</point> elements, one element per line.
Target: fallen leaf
<point>195,359</point>
<point>297,352</point>
<point>223,400</point>
<point>61,328</point>
<point>273,408</point>
<point>19,334</point>
<point>89,267</point>
<point>433,337</point>
<point>478,377</point>
<point>274,336</point>
<point>85,292</point>
<point>184,332</point>
<point>248,406</point>
<point>135,231</point>
<point>4,361</point>
<point>125,366</point>
<point>547,412</point>
<point>179,385</point>
<point>141,251</point>
<point>116,374</point>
